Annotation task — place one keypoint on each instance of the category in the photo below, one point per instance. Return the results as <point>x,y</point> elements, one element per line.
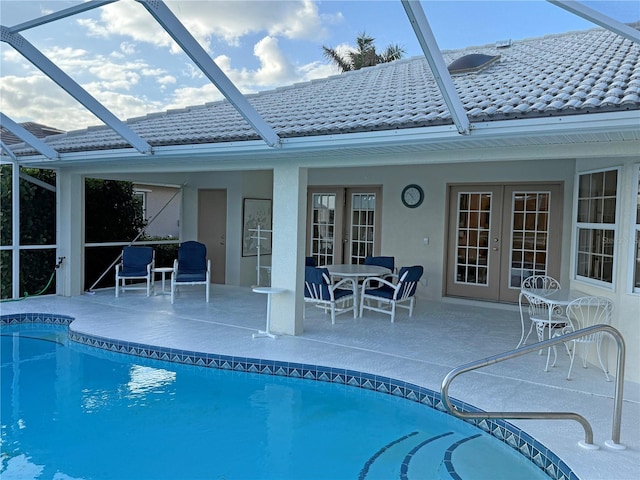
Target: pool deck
<point>421,350</point>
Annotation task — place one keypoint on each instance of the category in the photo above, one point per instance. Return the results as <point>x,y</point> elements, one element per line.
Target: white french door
<point>500,234</point>
<point>343,224</point>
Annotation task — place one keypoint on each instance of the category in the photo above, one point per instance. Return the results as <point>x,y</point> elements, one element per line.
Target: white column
<point>287,269</point>
<point>70,233</point>
<point>15,230</point>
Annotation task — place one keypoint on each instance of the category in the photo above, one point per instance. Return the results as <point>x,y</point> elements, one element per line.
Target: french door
<point>343,224</point>
<point>499,235</point>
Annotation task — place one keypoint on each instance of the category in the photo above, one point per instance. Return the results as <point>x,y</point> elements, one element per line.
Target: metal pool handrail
<point>588,431</point>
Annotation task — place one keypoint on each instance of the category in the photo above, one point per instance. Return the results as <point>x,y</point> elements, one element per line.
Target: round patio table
<point>357,272</point>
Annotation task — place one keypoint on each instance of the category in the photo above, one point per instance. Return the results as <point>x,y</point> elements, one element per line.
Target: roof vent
<point>474,62</point>
<point>503,43</point>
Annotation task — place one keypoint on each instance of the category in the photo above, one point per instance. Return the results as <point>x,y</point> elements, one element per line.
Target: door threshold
<point>481,303</point>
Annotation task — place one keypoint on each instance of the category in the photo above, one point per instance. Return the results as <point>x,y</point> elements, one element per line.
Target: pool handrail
<point>614,443</point>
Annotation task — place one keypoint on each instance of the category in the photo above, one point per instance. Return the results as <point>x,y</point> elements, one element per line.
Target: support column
<point>15,230</point>
<point>70,233</point>
<point>288,248</point>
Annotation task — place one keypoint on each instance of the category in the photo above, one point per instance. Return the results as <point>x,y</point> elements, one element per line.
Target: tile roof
<point>36,129</point>
<point>572,73</point>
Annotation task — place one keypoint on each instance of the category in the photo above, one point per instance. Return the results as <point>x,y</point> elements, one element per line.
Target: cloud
<point>226,20</point>
<point>103,71</point>
<point>192,96</point>
<point>132,87</point>
<point>38,99</point>
<point>127,48</point>
<point>166,80</point>
<point>128,19</point>
<point>274,69</point>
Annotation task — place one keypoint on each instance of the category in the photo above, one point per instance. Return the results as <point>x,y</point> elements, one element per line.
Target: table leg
<point>267,332</point>
<point>546,368</point>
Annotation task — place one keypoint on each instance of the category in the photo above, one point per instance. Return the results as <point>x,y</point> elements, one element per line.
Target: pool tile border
<point>504,431</point>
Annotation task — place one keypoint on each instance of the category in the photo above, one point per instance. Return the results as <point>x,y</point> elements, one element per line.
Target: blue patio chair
<point>192,267</point>
<point>387,262</point>
<point>310,262</point>
<point>382,261</point>
<point>388,295</point>
<point>319,290</point>
<point>137,264</point>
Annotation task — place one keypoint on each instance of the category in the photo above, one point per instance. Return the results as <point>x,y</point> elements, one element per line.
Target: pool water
<point>74,412</point>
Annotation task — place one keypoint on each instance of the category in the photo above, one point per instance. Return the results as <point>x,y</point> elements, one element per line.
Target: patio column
<point>70,233</point>
<point>288,247</point>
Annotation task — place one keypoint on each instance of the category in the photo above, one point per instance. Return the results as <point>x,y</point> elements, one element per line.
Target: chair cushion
<point>313,276</point>
<point>387,262</point>
<point>133,272</point>
<point>190,277</point>
<point>385,291</point>
<point>338,293</point>
<point>135,261</point>
<point>414,274</point>
<point>192,258</point>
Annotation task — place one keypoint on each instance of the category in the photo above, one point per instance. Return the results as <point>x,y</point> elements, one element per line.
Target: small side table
<point>268,291</point>
<point>163,271</point>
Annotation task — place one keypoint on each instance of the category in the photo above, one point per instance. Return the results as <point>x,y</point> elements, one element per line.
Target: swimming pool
<point>109,415</point>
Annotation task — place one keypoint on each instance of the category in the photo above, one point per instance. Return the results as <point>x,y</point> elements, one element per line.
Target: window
<point>636,244</point>
<point>596,225</point>
<point>141,197</point>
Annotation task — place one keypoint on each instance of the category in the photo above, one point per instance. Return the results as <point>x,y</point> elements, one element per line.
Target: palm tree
<point>364,56</point>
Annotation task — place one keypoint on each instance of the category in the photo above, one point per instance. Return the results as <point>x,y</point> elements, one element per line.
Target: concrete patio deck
<point>420,350</point>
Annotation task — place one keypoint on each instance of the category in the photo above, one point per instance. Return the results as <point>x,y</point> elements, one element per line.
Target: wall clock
<point>412,196</point>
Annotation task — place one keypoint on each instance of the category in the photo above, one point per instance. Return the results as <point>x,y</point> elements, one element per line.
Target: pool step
<point>415,455</point>
<point>448,455</point>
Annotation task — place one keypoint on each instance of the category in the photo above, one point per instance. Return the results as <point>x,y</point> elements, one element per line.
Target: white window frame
<point>614,227</point>
<point>634,234</point>
<point>143,192</point>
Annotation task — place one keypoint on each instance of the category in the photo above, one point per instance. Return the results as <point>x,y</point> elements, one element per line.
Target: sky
<point>121,56</point>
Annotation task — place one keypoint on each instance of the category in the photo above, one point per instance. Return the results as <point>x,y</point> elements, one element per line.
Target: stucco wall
<point>405,229</point>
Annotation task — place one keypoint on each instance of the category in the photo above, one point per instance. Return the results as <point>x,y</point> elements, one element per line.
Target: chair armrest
<point>392,277</point>
<point>344,281</point>
<point>175,268</point>
<point>378,280</point>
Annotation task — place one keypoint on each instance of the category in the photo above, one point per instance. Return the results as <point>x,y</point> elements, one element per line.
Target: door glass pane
<point>363,207</point>
<point>529,240</point>
<point>474,219</point>
<point>322,227</point>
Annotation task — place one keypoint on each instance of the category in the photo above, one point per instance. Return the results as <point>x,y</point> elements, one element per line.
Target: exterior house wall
<point>626,316</point>
<point>163,217</point>
<point>405,229</point>
<point>239,185</point>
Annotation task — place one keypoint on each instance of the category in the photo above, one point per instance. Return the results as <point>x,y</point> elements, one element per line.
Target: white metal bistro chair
<point>537,311</point>
<point>582,313</point>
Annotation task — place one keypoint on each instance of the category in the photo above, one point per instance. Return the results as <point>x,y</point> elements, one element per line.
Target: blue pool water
<point>75,412</point>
